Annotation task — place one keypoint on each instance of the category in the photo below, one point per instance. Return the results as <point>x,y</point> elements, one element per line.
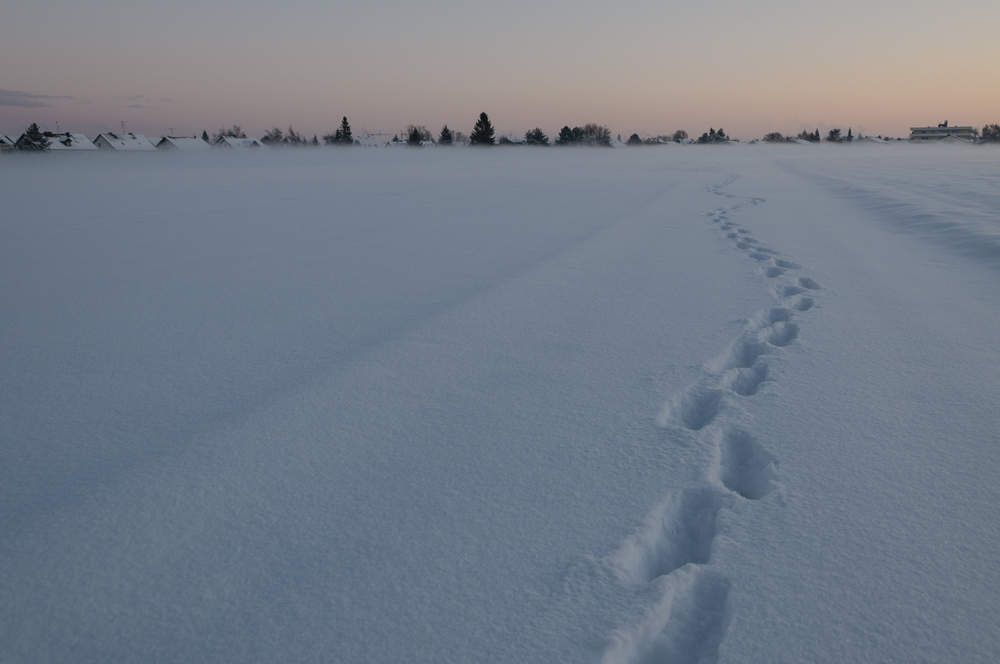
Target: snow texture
<point>628,406</point>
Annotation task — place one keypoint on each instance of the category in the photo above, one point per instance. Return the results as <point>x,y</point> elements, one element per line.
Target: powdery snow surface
<point>648,405</point>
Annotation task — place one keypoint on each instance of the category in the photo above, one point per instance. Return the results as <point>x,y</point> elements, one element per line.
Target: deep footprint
<point>806,282</point>
<point>696,407</point>
<point>773,272</point>
<point>681,532</point>
<point>803,304</point>
<point>747,382</point>
<point>782,334</point>
<point>696,625</point>
<point>776,315</point>
<point>745,467</point>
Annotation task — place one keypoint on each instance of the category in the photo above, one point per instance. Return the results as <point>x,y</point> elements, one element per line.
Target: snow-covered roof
<point>240,143</point>
<point>952,138</point>
<point>615,143</point>
<point>182,143</point>
<point>6,140</point>
<point>369,141</point>
<point>124,142</point>
<point>68,142</point>
<point>799,141</point>
<point>870,139</point>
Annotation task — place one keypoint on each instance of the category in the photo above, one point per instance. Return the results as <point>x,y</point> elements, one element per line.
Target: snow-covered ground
<point>683,404</point>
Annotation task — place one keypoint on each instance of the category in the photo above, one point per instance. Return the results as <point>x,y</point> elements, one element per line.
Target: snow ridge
<point>673,553</point>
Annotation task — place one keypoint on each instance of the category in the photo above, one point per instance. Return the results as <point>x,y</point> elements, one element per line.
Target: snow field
<point>623,406</point>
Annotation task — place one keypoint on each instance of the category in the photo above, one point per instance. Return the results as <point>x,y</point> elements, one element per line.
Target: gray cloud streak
<point>26,99</point>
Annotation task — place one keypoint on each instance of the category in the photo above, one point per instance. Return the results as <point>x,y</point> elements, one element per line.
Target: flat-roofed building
<point>930,134</point>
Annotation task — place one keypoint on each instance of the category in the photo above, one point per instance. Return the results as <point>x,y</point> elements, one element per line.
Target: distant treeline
<point>483,133</point>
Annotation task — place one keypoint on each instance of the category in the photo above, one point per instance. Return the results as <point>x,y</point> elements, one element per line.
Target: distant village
<point>234,139</point>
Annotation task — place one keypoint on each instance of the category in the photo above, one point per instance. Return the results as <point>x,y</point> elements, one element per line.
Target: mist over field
<point>681,404</point>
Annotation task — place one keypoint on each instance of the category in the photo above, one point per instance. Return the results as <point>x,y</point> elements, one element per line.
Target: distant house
<point>6,143</point>
<point>931,134</point>
<point>870,140</point>
<point>230,143</point>
<point>182,143</point>
<point>369,142</point>
<point>67,142</point>
<point>124,143</point>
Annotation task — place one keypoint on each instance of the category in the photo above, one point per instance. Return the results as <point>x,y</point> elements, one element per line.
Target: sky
<point>644,66</point>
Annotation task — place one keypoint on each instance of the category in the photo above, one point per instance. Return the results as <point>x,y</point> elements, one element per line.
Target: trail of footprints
<point>674,550</point>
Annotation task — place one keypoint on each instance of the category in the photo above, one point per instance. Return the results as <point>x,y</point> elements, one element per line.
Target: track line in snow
<point>673,552</point>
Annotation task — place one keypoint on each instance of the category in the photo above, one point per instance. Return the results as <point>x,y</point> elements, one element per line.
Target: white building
<point>230,143</point>
<point>67,142</point>
<point>124,143</point>
<point>182,143</point>
<point>929,134</point>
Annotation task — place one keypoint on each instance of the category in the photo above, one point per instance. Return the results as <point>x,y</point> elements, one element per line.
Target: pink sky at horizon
<point>650,68</point>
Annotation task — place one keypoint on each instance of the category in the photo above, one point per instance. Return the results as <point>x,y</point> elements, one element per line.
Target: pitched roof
<point>124,142</point>
<point>182,143</point>
<point>68,142</point>
<point>239,143</point>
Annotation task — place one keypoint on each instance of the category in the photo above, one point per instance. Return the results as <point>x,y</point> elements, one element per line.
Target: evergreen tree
<point>991,133</point>
<point>482,133</point>
<point>834,136</point>
<point>634,140</point>
<point>204,136</point>
<point>850,136</point>
<point>315,141</point>
<point>536,137</point>
<point>569,136</point>
<point>345,132</point>
<point>416,138</point>
<point>32,140</point>
<point>445,137</point>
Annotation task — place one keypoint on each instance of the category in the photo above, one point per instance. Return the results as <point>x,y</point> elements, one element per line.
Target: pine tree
<point>634,140</point>
<point>445,138</point>
<point>416,138</point>
<point>482,133</point>
<point>315,140</point>
<point>566,136</point>
<point>345,132</point>
<point>536,137</point>
<point>204,136</point>
<point>32,140</point>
